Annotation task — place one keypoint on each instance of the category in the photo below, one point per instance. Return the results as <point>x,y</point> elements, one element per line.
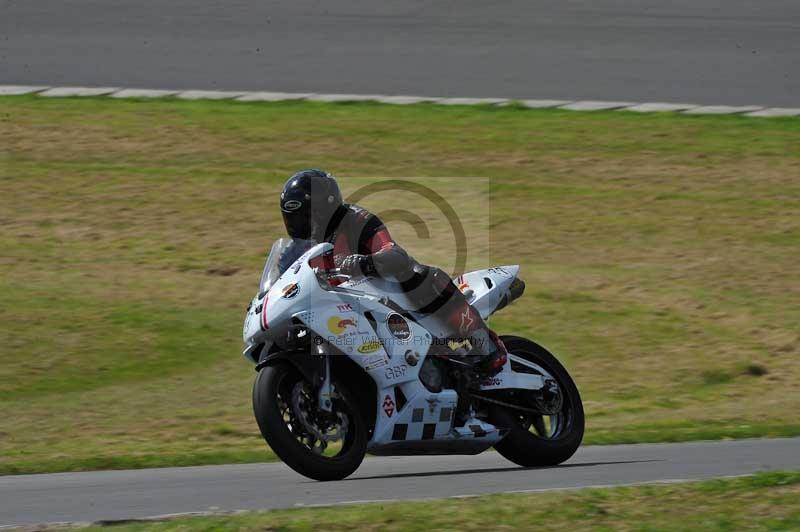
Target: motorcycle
<point>345,368</point>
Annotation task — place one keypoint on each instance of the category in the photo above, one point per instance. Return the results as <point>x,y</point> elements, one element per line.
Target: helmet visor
<point>298,223</point>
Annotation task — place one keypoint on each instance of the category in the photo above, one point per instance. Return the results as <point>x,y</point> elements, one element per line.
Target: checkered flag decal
<point>425,424</point>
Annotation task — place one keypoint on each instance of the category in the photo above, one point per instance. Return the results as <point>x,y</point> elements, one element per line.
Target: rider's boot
<point>486,346</point>
<point>433,293</point>
<point>493,362</point>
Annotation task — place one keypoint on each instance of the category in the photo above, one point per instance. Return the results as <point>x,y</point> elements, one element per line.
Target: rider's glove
<point>357,265</point>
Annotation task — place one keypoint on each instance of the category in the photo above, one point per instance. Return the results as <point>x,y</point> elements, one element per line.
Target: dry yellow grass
<point>660,254</point>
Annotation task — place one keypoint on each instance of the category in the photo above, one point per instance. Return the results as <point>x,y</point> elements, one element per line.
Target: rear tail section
<point>491,289</point>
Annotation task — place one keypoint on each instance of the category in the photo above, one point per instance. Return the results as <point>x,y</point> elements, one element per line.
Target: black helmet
<point>308,202</point>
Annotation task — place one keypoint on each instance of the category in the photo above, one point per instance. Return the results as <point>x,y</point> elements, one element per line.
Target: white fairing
<point>485,288</point>
<point>391,348</point>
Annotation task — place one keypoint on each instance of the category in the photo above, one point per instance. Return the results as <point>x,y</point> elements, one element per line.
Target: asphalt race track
<point>732,52</point>
<point>130,494</point>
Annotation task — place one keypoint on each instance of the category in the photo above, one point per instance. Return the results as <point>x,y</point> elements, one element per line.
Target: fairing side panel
<point>356,319</point>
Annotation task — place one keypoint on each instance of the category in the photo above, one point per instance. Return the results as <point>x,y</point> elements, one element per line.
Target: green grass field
<point>766,501</point>
<point>660,254</point>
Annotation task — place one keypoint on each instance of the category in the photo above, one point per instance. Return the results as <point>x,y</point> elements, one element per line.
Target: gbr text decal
<point>395,372</point>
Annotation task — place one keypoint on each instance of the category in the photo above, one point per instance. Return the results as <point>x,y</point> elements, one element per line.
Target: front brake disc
<point>301,408</point>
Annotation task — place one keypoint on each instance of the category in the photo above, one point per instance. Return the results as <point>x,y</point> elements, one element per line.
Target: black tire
<point>522,446</point>
<point>266,389</point>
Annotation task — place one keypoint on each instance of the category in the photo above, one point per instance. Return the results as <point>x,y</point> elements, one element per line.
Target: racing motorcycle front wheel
<point>317,444</point>
<point>550,429</point>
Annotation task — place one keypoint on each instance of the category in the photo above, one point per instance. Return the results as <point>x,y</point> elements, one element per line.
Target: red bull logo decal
<point>339,325</point>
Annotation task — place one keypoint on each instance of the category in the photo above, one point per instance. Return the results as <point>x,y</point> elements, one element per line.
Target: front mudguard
<point>310,366</point>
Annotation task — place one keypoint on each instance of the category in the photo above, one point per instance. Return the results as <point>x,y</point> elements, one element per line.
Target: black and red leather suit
<point>362,243</point>
<point>312,209</point>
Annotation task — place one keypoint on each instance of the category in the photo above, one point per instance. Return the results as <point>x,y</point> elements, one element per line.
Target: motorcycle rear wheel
<point>274,391</point>
<point>539,440</point>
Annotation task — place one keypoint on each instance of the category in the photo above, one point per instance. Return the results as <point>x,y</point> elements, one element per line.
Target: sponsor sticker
<point>395,372</point>
<point>454,345</point>
<point>467,321</point>
<point>247,319</point>
<point>500,271</point>
<point>369,347</point>
<point>290,290</point>
<point>292,205</point>
<point>492,381</point>
<point>345,307</point>
<point>339,325</point>
<point>374,362</point>
<point>398,326</point>
<point>388,406</point>
<point>433,404</point>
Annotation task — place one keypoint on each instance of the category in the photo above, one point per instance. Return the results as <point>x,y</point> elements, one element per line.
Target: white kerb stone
<point>78,91</point>
<point>15,90</point>
<point>406,100</point>
<point>273,96</point>
<point>776,111</point>
<point>143,93</point>
<point>473,101</point>
<point>595,105</point>
<point>208,95</point>
<point>330,98</point>
<point>543,104</point>
<point>655,107</point>
<point>722,109</point>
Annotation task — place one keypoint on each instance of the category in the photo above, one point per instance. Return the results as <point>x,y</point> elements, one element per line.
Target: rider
<point>312,209</point>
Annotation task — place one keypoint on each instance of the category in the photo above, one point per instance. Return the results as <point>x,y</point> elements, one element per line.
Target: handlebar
<point>332,272</point>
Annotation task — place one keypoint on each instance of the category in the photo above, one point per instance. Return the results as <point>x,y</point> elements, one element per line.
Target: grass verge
<point>659,252</point>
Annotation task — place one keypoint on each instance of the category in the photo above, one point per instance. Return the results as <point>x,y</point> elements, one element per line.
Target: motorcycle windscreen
<point>284,252</point>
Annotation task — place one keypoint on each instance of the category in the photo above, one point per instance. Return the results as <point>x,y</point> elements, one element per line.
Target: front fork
<point>326,388</point>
